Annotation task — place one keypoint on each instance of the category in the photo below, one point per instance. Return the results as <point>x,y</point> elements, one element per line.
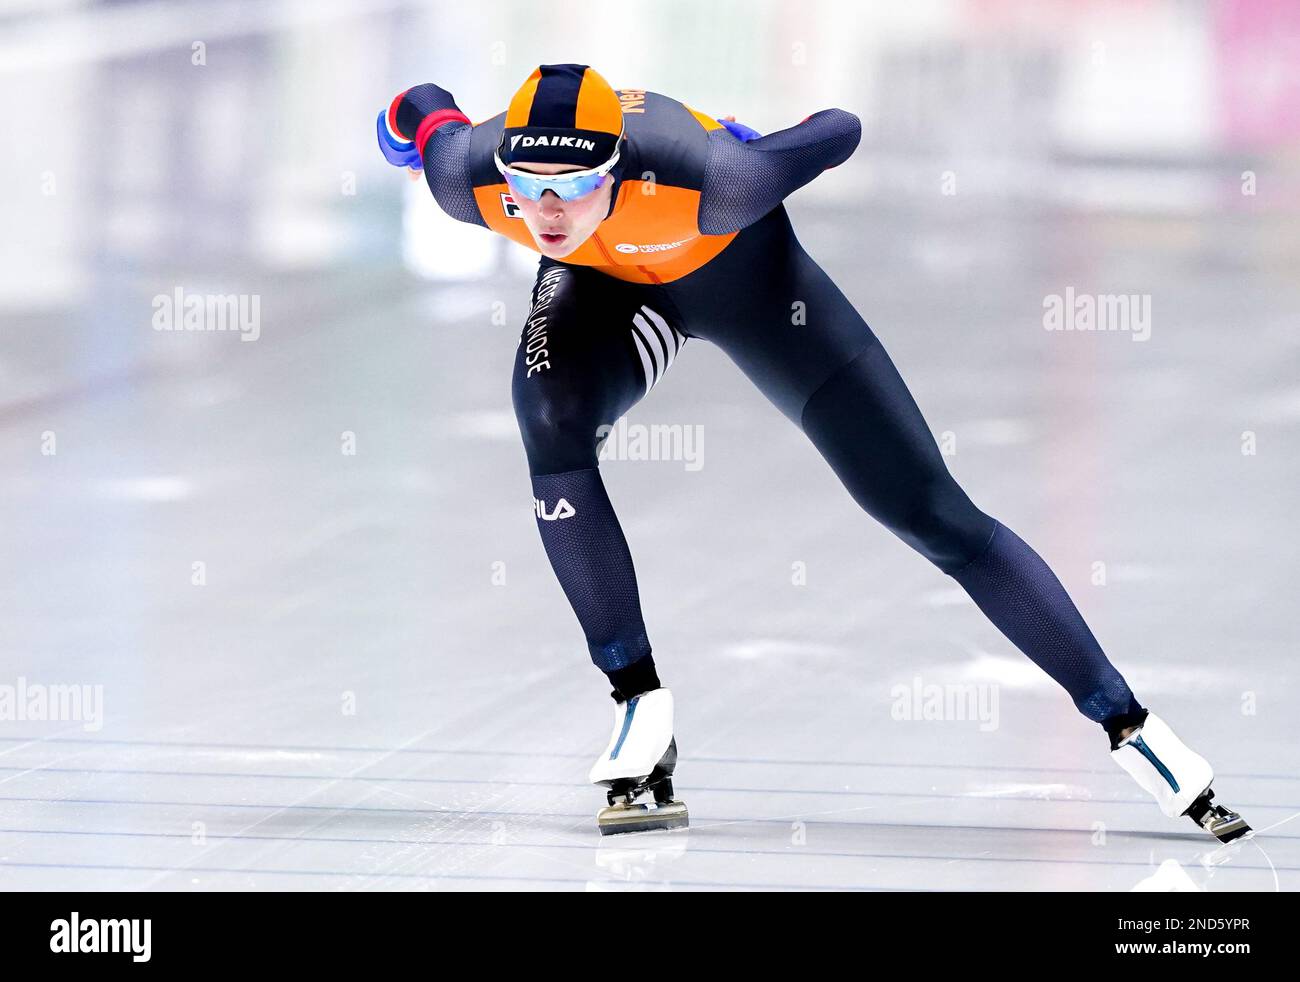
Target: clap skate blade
<point>626,814</point>
<point>1222,823</point>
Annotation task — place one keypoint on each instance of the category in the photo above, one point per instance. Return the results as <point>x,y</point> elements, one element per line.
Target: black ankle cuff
<point>1115,725</point>
<point>634,679</point>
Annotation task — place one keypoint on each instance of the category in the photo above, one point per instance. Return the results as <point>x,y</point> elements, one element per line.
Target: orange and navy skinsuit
<point>686,184</point>
<point>711,254</point>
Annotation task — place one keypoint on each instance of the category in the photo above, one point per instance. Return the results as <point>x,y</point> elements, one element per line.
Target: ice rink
<point>297,575</point>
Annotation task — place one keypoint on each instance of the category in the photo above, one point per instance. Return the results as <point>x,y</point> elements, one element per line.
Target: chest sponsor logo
<point>628,247</point>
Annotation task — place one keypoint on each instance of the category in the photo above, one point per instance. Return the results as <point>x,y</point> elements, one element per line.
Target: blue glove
<point>740,131</point>
<point>399,153</point>
<point>408,110</point>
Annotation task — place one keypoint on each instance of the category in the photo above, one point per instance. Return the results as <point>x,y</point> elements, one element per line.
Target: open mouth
<point>552,238</point>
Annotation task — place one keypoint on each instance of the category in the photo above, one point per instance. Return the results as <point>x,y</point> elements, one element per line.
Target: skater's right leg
<point>591,348</point>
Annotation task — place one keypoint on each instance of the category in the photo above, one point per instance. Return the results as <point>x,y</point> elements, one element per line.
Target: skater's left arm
<point>745,179</point>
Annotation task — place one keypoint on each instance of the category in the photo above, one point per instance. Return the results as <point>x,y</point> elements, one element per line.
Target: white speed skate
<point>1177,777</point>
<point>640,758</point>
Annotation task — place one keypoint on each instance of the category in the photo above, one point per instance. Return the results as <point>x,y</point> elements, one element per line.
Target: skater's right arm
<point>426,116</point>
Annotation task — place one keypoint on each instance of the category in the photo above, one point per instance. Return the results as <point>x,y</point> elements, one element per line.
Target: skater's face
<point>558,226</point>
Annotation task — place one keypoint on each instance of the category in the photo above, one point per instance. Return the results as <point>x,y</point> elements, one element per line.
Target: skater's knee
<point>943,525</point>
<point>559,430</point>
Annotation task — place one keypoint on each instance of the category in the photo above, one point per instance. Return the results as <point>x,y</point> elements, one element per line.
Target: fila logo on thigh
<point>657,343</point>
<point>562,510</point>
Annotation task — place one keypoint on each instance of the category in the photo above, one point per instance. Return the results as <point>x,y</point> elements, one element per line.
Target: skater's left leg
<point>866,424</point>
<point>781,319</point>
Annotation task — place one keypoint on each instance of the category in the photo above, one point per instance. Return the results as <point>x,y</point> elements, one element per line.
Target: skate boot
<point>1176,777</point>
<point>640,758</point>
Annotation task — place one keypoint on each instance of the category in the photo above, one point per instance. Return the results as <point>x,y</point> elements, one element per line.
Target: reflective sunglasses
<point>569,187</point>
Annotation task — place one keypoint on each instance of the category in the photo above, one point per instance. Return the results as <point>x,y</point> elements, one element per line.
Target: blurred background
<point>301,560</point>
